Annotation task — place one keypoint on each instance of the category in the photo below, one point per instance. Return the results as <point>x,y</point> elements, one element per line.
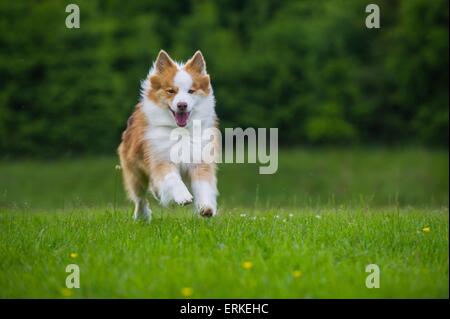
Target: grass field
<point>308,231</point>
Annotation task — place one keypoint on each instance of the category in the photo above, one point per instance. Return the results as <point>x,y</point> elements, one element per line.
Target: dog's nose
<point>182,106</point>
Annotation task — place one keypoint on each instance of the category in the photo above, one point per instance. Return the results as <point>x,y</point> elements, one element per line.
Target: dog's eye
<point>170,91</point>
<point>191,91</point>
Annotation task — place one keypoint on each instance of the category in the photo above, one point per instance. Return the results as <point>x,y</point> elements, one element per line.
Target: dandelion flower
<point>426,229</point>
<point>247,265</point>
<point>118,167</point>
<point>66,292</point>
<point>187,291</point>
<point>318,216</point>
<point>296,274</point>
<point>73,255</point>
<point>243,215</point>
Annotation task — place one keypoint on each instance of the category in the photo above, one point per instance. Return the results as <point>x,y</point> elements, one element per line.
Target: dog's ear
<point>163,62</point>
<point>197,63</point>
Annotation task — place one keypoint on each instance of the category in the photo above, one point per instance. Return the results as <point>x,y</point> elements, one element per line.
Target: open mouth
<point>181,118</point>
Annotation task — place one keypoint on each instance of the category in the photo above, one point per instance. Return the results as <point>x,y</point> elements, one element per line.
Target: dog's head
<point>179,88</point>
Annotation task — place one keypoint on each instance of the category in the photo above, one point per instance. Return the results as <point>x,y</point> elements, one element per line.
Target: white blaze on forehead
<point>183,80</point>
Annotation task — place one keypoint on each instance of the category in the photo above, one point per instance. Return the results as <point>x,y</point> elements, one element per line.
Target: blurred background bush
<point>310,68</point>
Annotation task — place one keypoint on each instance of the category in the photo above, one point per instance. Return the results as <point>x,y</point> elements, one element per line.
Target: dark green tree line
<point>310,68</point>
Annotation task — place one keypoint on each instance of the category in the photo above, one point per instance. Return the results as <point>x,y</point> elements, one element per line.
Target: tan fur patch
<point>134,154</point>
<point>195,67</point>
<point>162,90</point>
<point>200,83</point>
<point>203,172</point>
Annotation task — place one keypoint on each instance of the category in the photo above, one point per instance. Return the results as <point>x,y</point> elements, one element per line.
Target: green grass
<point>119,258</point>
<point>305,178</point>
<point>326,213</point>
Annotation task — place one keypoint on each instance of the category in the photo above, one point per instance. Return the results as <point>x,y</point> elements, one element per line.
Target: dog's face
<point>179,89</point>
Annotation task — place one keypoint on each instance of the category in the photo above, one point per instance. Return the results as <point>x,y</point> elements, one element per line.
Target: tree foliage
<point>310,68</point>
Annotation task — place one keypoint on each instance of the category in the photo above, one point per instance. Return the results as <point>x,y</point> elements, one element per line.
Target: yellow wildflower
<point>187,291</point>
<point>247,265</point>
<point>73,255</point>
<point>66,292</point>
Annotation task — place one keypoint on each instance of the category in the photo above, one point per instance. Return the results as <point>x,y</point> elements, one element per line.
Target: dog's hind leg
<point>142,210</point>
<point>136,185</point>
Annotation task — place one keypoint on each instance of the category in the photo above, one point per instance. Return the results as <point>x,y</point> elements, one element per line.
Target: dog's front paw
<point>182,196</point>
<point>205,193</point>
<point>207,212</point>
<point>174,190</point>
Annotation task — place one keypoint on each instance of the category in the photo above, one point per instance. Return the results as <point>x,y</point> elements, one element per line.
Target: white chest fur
<point>160,132</point>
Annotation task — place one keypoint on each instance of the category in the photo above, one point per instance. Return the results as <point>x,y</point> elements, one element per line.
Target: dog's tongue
<point>181,118</point>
